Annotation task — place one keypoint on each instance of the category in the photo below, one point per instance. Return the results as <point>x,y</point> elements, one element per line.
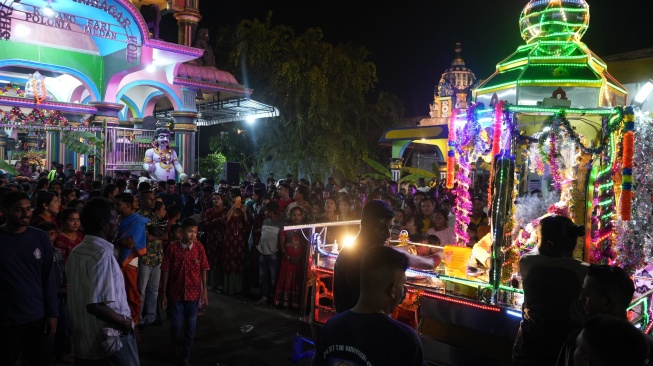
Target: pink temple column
<point>187,20</point>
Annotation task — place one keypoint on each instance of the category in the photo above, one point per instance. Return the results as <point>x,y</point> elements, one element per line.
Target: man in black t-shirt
<point>367,334</point>
<point>376,220</point>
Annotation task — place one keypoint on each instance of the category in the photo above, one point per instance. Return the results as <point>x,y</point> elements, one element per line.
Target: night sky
<point>412,42</point>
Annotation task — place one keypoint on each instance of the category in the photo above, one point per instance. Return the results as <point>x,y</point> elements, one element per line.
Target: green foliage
<point>211,165</point>
<point>236,144</point>
<point>384,170</point>
<point>330,113</point>
<point>8,167</point>
<point>84,142</point>
<point>413,174</point>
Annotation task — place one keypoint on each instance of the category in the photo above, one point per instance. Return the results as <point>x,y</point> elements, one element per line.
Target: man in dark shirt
<point>376,220</point>
<point>188,201</point>
<point>366,334</point>
<point>170,197</point>
<point>28,299</point>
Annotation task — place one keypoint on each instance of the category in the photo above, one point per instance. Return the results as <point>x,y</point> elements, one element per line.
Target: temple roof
<point>203,73</point>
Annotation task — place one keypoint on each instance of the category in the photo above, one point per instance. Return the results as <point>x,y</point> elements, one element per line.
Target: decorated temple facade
<point>98,65</point>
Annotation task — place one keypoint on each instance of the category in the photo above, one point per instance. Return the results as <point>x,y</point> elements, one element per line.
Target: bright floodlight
<point>22,30</point>
<point>250,119</point>
<point>348,241</point>
<point>643,93</point>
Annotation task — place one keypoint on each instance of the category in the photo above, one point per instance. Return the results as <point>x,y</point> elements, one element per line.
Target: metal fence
<point>125,149</point>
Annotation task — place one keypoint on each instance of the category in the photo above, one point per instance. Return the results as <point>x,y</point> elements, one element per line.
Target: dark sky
<point>412,42</point>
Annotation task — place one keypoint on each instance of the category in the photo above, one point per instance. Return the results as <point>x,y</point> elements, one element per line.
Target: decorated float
<point>551,119</point>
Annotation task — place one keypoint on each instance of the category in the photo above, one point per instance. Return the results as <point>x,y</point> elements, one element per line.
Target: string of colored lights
<point>604,210</point>
<point>457,301</point>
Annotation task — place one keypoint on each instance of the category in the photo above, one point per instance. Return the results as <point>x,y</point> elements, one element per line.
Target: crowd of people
<point>99,261</point>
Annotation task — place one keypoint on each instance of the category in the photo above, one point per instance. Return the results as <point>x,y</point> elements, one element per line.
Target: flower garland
<point>496,144</point>
<point>463,202</point>
<point>466,141</point>
<point>15,115</point>
<point>627,166</point>
<point>13,87</point>
<point>451,153</point>
<point>553,161</point>
<point>35,117</point>
<point>37,97</point>
<point>634,244</point>
<point>57,118</point>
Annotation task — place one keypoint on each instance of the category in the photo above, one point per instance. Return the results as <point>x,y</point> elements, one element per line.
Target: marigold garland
<point>496,144</point>
<point>627,166</point>
<point>44,92</point>
<point>451,154</point>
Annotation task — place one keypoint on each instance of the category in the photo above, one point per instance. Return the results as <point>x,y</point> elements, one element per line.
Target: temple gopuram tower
<point>453,89</point>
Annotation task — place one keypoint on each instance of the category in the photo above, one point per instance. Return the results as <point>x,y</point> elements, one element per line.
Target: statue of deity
<point>35,88</point>
<point>161,160</point>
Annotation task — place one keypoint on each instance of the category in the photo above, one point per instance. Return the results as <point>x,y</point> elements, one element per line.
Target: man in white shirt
<point>100,319</point>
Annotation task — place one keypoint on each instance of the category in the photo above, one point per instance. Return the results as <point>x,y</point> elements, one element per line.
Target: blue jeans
<point>148,287</point>
<point>268,267</point>
<point>126,355</point>
<point>183,313</point>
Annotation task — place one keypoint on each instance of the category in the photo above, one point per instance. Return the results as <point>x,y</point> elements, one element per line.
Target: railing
<point>125,149</point>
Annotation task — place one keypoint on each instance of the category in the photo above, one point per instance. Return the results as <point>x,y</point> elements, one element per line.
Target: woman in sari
<point>69,236</point>
<point>234,247</point>
<point>291,275</point>
<point>214,227</point>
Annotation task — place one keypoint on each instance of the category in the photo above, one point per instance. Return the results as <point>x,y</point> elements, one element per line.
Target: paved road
<point>220,341</point>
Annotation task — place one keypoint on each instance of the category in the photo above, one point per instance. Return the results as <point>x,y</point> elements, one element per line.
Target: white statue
<point>35,87</point>
<point>161,161</point>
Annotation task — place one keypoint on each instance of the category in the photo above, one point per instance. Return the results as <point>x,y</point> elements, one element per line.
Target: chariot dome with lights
<point>553,56</point>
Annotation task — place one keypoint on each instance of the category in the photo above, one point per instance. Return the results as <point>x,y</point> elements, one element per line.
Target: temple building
<point>99,65</point>
<point>428,140</point>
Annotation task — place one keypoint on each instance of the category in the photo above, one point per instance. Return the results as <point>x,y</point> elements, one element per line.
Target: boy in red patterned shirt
<point>184,283</point>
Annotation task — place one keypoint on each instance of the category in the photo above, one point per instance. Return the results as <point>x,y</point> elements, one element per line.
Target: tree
<point>211,165</point>
<point>330,115</point>
<point>236,144</point>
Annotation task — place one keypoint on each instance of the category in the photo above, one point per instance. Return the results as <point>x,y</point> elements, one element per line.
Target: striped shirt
<point>94,277</point>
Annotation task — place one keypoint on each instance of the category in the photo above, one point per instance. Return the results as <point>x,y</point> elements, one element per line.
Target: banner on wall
<point>117,30</point>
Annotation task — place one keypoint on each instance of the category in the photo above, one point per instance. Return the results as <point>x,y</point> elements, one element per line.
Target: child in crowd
<point>184,284</point>
<point>61,339</point>
<point>268,248</point>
